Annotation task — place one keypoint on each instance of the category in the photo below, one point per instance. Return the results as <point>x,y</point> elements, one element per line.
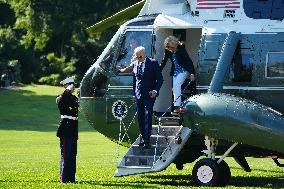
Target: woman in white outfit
<point>182,67</point>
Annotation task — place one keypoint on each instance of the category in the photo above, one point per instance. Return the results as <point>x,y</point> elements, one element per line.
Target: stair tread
<point>135,167</point>
<point>162,136</point>
<point>139,160</point>
<point>140,156</point>
<point>136,145</point>
<point>160,145</point>
<point>166,126</point>
<point>173,117</point>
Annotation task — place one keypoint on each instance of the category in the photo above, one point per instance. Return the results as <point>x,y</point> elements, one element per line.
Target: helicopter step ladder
<point>167,139</point>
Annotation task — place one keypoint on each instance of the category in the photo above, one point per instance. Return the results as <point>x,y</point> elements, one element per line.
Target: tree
<point>57,28</point>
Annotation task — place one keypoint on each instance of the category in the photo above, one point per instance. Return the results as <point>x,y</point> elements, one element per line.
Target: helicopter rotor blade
<point>117,18</point>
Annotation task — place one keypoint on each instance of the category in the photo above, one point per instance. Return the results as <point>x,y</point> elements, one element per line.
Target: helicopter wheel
<point>206,172</point>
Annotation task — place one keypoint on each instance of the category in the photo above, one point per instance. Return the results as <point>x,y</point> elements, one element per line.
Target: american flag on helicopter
<point>216,4</point>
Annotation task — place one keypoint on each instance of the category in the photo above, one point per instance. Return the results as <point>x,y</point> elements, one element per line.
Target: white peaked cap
<point>67,80</point>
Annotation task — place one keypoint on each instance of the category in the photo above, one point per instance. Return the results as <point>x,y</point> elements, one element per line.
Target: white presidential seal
<point>119,109</point>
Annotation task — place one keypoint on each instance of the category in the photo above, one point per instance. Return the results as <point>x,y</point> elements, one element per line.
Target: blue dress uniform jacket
<point>68,105</point>
<point>68,134</point>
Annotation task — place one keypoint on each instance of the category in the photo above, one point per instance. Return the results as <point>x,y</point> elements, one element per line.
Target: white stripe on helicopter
<point>246,88</point>
<point>206,87</point>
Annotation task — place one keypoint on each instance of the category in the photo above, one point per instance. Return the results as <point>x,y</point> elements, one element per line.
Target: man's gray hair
<point>138,49</point>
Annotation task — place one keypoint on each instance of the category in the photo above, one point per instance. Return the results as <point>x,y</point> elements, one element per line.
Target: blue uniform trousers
<point>68,148</point>
<point>145,112</point>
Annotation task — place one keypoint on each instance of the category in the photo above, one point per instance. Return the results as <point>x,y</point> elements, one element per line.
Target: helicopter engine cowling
<point>233,118</point>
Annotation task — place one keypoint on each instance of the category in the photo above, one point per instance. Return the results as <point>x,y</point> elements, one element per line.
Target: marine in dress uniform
<point>68,130</point>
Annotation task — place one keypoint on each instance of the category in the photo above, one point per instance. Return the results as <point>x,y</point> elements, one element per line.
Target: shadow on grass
<point>117,184</point>
<point>264,182</point>
<point>92,183</point>
<point>24,110</point>
<point>262,170</point>
<point>236,181</point>
<point>172,180</point>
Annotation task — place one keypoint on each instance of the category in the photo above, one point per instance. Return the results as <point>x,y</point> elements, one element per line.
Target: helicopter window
<point>264,9</point>
<point>275,64</point>
<point>100,85</point>
<point>108,58</point>
<point>132,40</point>
<point>106,62</point>
<point>242,66</point>
<point>95,85</point>
<point>142,23</point>
<point>212,50</point>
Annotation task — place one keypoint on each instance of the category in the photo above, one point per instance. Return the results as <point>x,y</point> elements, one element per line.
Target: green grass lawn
<point>29,151</point>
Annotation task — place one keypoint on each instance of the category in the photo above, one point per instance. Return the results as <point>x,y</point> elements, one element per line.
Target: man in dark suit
<point>147,81</point>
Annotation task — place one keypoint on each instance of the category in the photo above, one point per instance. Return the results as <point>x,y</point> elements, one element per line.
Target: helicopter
<point>237,48</point>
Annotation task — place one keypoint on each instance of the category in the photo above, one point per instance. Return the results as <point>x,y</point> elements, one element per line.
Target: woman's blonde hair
<point>171,41</point>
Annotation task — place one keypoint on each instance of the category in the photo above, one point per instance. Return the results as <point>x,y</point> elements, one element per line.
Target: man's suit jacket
<point>183,60</point>
<point>151,79</point>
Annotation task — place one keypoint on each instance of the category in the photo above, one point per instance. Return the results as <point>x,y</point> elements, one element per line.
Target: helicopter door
<point>119,102</point>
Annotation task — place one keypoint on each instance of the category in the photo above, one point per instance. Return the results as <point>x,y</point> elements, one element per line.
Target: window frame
<point>123,34</point>
<point>266,65</point>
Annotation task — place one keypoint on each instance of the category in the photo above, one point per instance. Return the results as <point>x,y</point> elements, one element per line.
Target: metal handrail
<point>159,125</point>
<point>125,133</point>
<point>120,139</point>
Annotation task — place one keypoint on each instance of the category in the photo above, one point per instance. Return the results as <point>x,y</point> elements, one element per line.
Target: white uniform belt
<point>69,117</point>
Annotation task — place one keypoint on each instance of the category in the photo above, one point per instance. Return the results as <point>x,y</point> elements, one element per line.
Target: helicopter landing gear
<point>225,173</point>
<point>206,172</point>
<point>210,171</point>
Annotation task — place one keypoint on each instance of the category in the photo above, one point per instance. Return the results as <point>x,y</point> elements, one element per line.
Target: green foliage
<point>33,30</point>
<point>12,50</point>
<point>52,79</point>
<point>8,39</point>
<point>29,152</point>
<point>56,69</point>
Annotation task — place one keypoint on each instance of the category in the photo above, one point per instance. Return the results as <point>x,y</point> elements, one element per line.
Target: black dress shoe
<point>141,144</point>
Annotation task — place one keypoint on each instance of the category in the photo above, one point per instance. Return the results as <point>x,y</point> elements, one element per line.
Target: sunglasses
<point>139,57</point>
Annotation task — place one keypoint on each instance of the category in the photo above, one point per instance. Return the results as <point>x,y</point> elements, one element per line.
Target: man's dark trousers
<point>68,149</point>
<point>145,111</point>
